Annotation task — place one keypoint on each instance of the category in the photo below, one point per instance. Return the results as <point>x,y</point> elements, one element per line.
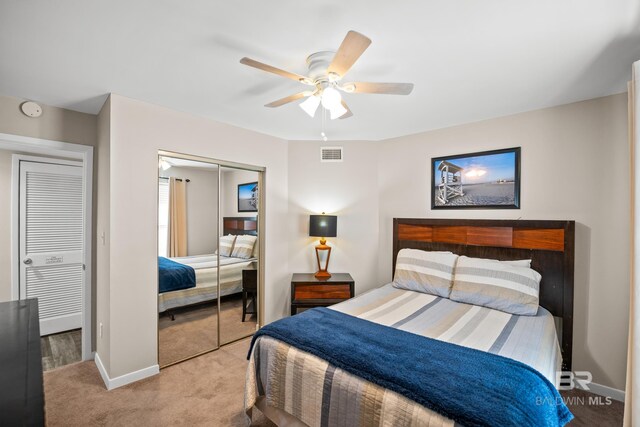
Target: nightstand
<point>308,292</point>
<point>249,292</point>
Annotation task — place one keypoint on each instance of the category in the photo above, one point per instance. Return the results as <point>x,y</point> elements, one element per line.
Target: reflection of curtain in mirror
<point>177,218</point>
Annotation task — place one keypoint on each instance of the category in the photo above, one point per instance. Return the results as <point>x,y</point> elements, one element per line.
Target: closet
<point>209,259</point>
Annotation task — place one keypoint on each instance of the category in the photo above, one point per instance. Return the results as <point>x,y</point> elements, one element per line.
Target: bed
<point>292,386</point>
<point>206,271</point>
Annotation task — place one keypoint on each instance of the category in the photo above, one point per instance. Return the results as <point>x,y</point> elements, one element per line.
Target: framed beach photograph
<point>248,197</point>
<point>483,180</point>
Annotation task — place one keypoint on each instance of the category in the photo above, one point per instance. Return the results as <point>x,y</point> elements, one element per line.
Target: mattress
<point>206,270</point>
<point>307,387</point>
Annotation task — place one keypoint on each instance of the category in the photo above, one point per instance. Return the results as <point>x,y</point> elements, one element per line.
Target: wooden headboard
<point>549,245</point>
<point>240,225</point>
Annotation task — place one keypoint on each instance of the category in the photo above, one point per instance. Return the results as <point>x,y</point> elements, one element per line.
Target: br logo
<point>568,380</point>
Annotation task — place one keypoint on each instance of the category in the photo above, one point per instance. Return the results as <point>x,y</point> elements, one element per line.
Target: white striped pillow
<point>427,272</point>
<point>226,244</point>
<point>243,247</point>
<point>490,283</point>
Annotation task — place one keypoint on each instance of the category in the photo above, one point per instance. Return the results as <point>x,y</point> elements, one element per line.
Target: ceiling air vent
<point>330,154</point>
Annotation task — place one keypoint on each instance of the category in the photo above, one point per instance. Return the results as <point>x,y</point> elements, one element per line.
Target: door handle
<point>27,261</point>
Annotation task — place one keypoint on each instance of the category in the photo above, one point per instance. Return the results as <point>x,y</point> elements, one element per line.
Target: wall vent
<point>331,154</point>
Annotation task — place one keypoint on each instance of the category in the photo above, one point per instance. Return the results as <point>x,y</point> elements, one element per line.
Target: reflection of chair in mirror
<point>249,292</point>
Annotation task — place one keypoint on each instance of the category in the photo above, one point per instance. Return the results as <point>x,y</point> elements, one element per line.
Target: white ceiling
<point>469,59</point>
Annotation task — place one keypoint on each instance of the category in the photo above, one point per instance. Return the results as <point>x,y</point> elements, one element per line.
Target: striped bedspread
<point>206,288</point>
<point>319,394</point>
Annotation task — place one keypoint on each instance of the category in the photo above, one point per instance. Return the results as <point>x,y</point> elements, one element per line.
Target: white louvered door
<point>51,243</point>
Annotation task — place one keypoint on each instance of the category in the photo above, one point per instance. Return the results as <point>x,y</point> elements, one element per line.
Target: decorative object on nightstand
<point>323,226</point>
<point>307,291</point>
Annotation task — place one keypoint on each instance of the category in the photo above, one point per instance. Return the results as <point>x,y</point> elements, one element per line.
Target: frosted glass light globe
<point>331,98</point>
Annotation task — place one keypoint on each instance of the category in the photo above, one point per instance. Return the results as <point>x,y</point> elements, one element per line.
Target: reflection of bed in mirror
<point>206,270</point>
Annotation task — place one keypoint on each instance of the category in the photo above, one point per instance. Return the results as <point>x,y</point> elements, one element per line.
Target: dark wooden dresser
<point>21,390</point>
<point>308,292</point>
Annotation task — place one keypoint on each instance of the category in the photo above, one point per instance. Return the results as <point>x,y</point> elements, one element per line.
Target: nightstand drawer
<point>312,291</point>
<point>307,291</point>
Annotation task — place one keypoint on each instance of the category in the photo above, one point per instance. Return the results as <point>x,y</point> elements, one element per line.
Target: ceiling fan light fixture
<point>326,70</point>
<point>331,98</point>
<point>310,105</point>
<point>164,165</point>
<point>337,112</point>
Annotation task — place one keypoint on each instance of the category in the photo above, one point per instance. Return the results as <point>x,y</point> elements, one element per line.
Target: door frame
<point>46,147</point>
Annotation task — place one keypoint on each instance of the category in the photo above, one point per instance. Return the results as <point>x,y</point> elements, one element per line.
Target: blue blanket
<point>471,387</point>
<point>173,276</point>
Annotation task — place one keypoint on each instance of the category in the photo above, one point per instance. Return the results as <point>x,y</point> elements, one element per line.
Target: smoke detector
<point>31,109</point>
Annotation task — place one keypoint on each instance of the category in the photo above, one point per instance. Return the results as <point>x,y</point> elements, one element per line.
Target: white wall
<point>348,190</point>
<point>138,131</point>
<point>202,208</point>
<point>575,165</point>
<point>229,190</point>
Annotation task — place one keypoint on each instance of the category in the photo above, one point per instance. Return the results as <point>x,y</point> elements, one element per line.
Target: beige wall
<point>56,124</point>
<point>575,165</point>
<point>229,190</point>
<point>202,208</point>
<point>5,225</point>
<point>348,190</point>
<point>102,242</point>
<point>138,131</point>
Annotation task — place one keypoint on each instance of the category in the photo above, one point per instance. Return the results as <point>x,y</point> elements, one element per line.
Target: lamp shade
<point>323,225</point>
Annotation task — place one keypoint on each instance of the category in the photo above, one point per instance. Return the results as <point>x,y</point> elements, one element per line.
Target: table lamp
<point>323,226</point>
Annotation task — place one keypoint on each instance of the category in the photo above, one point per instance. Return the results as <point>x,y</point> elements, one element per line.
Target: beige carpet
<point>204,391</point>
<point>194,329</point>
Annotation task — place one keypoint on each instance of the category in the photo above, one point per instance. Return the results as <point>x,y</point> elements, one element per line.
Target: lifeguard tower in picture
<point>450,182</point>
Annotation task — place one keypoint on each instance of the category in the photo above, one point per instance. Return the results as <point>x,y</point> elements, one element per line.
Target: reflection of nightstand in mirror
<point>249,292</point>
<point>307,291</point>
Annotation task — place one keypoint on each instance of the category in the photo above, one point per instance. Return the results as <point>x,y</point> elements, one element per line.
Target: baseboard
<point>125,379</point>
<point>603,390</point>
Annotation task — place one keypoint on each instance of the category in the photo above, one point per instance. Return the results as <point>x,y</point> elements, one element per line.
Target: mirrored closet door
<point>187,258</point>
<point>239,200</point>
<point>208,257</point>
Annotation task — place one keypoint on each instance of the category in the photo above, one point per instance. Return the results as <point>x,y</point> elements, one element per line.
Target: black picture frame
<point>450,202</point>
<point>248,204</point>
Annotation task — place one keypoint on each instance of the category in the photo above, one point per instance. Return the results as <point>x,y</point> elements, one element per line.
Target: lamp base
<point>322,273</point>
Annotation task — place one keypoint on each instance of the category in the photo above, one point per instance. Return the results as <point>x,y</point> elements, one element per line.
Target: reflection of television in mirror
<point>248,197</point>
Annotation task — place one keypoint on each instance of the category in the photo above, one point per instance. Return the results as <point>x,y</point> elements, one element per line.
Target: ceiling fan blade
<point>288,99</point>
<point>268,68</point>
<point>353,45</point>
<point>382,88</point>
<point>348,113</point>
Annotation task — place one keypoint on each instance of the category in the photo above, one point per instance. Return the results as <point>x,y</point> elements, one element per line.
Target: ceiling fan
<point>326,71</point>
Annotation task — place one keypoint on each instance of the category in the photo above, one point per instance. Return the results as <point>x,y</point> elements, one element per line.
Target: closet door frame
<point>261,170</point>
